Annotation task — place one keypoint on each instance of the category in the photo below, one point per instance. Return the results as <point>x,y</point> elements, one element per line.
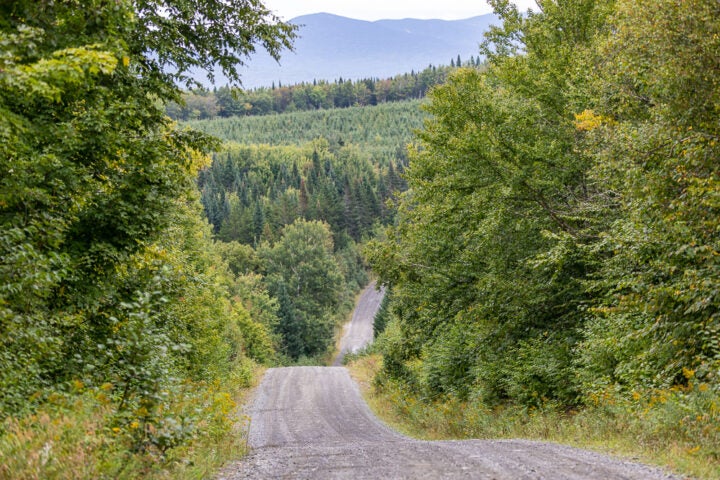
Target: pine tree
<point>258,222</point>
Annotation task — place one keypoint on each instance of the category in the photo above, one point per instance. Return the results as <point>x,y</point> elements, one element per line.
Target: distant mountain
<point>331,46</point>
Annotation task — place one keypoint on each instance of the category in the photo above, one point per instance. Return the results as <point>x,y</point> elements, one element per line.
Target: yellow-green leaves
<point>64,69</point>
<point>588,120</point>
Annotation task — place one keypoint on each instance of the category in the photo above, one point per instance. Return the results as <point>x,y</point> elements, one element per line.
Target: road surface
<point>312,423</point>
<point>359,331</point>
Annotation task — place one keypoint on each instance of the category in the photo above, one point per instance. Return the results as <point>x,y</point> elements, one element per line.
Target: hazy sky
<point>381,9</point>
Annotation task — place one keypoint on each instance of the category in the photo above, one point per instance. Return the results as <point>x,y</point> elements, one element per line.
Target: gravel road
<point>359,331</point>
<point>312,423</point>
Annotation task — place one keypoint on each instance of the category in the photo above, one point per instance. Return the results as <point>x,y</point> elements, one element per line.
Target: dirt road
<point>359,331</point>
<point>312,423</point>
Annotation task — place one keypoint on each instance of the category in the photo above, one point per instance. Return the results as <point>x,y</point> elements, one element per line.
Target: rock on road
<point>312,423</point>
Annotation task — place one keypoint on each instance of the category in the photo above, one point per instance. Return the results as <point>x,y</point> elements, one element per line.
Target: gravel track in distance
<point>358,332</point>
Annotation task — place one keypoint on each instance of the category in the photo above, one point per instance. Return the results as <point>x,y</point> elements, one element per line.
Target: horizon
<point>410,46</point>
<point>386,19</point>
<point>374,10</point>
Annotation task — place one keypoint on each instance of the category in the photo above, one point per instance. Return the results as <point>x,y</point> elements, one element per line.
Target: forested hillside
<point>251,192</point>
<point>301,191</point>
<point>382,132</point>
<point>202,104</point>
<point>338,166</point>
<point>559,244</point>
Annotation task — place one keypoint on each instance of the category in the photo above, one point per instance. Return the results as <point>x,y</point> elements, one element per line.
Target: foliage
<point>382,131</point>
<point>674,428</point>
<point>659,297</point>
<point>559,235</point>
<point>108,277</point>
<point>303,275</point>
<point>230,102</point>
<point>483,262</point>
<point>382,317</point>
<point>251,192</point>
<point>182,35</point>
<point>75,436</point>
<point>255,195</point>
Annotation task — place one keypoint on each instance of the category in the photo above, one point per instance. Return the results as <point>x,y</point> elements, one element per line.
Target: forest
<point>202,103</point>
<point>558,245</point>
<point>546,224</point>
<point>325,178</point>
<point>340,166</point>
<point>382,131</point>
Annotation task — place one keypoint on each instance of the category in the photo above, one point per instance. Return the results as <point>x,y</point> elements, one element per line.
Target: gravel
<point>358,332</point>
<point>312,423</point>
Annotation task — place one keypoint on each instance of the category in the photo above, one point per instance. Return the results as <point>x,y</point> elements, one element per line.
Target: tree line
<point>319,95</point>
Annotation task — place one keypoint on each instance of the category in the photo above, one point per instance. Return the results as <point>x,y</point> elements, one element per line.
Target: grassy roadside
<point>656,433</point>
<point>73,437</point>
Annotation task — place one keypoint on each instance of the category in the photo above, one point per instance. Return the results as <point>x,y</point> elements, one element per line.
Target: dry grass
<point>73,437</point>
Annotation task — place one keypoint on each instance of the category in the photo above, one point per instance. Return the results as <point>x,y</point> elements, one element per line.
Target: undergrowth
<point>75,435</point>
<point>677,428</point>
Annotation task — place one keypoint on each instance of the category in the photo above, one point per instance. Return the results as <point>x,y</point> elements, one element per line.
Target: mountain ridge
<point>332,46</point>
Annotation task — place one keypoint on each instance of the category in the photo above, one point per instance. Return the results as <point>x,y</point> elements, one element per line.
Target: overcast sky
<point>381,9</point>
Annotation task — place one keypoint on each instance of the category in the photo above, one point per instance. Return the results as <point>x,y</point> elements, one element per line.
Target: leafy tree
<point>487,262</point>
<point>303,274</point>
<point>91,175</point>
<point>657,143</point>
<point>558,238</point>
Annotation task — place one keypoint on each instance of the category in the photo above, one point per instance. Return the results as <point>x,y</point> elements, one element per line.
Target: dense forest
<point>124,333</point>
<point>229,102</point>
<point>339,166</point>
<point>559,241</point>
<point>383,131</point>
<point>251,192</point>
<point>284,185</point>
<point>549,239</point>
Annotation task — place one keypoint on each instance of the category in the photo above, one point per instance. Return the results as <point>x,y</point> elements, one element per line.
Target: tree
<point>91,171</point>
<point>657,144</point>
<point>303,274</point>
<point>487,261</point>
<point>258,222</point>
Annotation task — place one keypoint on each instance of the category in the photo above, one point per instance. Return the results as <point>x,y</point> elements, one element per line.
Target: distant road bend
<point>312,423</point>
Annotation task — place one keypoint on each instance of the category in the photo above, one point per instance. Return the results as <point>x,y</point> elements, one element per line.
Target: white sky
<point>382,9</point>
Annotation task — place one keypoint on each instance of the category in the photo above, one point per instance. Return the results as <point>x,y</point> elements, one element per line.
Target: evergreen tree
<point>258,222</point>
